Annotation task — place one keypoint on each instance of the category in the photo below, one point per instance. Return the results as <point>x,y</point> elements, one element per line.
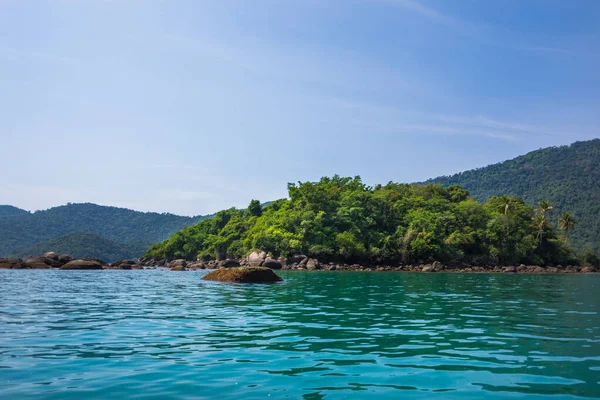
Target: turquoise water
<point>333,335</point>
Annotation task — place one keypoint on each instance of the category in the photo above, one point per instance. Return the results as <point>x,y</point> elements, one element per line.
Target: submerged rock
<point>82,264</point>
<point>243,275</point>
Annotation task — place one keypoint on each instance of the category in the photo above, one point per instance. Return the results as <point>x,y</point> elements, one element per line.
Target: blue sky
<point>194,106</point>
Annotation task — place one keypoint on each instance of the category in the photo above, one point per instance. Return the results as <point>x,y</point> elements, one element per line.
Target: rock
<point>51,255</point>
<point>243,275</point>
<point>539,270</point>
<point>97,260</point>
<point>283,261</point>
<point>64,258</point>
<point>178,268</point>
<point>587,270</point>
<point>82,264</point>
<point>256,259</point>
<point>509,270</point>
<point>38,263</point>
<point>125,266</point>
<point>428,268</point>
<point>229,263</point>
<point>438,266</point>
<point>552,270</point>
<point>196,265</point>
<point>137,266</point>
<point>298,258</point>
<point>303,262</point>
<point>118,263</point>
<point>313,264</point>
<point>10,263</point>
<point>272,263</point>
<point>177,263</point>
<point>45,260</point>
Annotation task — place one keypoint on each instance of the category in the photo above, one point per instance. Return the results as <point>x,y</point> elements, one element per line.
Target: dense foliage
<point>567,176</point>
<point>112,223</point>
<point>82,245</point>
<point>10,211</point>
<point>342,219</point>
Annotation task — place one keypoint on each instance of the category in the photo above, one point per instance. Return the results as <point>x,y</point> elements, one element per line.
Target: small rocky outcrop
<point>82,264</point>
<point>272,263</point>
<point>229,263</point>
<point>509,270</point>
<point>178,268</point>
<point>588,269</point>
<point>243,275</point>
<point>196,265</point>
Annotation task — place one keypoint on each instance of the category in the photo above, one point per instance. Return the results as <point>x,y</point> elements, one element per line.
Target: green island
<point>340,220</point>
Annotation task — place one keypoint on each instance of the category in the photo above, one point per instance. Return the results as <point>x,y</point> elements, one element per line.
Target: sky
<point>193,106</point>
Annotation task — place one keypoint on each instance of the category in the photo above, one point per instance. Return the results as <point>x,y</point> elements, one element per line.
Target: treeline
<point>567,176</point>
<point>342,219</point>
<point>82,245</point>
<point>20,229</point>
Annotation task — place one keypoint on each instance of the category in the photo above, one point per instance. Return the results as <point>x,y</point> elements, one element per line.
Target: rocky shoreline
<point>52,260</point>
<point>304,263</point>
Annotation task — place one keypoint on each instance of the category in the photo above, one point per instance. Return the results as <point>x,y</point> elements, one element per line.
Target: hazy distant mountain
<point>11,211</point>
<point>567,176</point>
<point>82,245</point>
<point>126,227</point>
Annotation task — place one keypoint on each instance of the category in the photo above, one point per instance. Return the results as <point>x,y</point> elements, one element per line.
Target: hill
<point>80,245</point>
<point>10,211</point>
<point>120,225</point>
<point>567,176</point>
<point>341,219</point>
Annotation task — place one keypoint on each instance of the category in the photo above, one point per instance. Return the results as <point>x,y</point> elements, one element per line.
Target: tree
<point>545,207</point>
<point>254,208</point>
<point>567,223</point>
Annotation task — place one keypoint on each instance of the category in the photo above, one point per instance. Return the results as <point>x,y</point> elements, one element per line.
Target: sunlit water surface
<point>160,334</point>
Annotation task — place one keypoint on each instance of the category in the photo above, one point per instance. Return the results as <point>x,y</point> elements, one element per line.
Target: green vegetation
<point>342,219</point>
<point>80,245</point>
<point>10,211</point>
<point>130,229</point>
<point>568,177</point>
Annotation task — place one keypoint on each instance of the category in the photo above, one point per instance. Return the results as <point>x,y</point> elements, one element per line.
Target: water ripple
<point>158,334</point>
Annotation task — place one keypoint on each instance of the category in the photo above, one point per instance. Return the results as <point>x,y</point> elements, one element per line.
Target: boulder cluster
<point>64,262</point>
<point>302,262</point>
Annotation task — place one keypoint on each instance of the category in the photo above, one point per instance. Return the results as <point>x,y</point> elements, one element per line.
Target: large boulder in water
<point>243,275</point>
<point>82,264</point>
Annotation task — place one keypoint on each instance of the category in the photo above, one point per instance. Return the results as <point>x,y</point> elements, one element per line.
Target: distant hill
<point>82,245</point>
<point>10,211</point>
<point>126,227</point>
<point>567,176</point>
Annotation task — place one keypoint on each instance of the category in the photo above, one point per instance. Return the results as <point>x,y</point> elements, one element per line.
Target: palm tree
<point>541,223</point>
<point>545,206</point>
<point>566,222</point>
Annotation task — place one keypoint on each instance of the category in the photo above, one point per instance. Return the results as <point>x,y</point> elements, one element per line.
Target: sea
<point>158,334</point>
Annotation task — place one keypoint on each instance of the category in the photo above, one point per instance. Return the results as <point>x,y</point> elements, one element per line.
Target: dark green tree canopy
<point>342,219</point>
